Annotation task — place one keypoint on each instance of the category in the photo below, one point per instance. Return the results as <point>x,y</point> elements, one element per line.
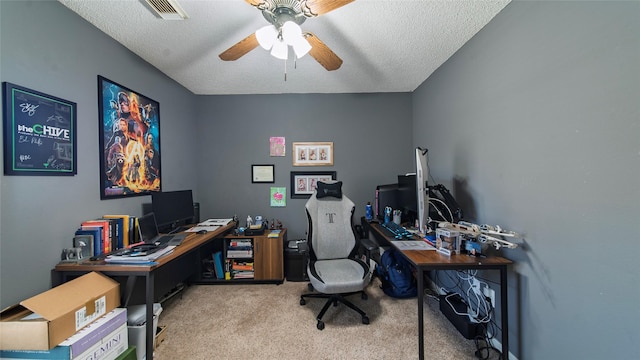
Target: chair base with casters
<point>335,299</point>
<point>334,267</point>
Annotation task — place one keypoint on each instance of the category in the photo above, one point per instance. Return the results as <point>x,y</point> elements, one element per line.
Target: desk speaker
<point>196,213</point>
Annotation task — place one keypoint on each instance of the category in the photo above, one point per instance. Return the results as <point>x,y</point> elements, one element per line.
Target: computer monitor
<point>386,195</point>
<point>408,198</point>
<point>172,209</point>
<point>422,175</point>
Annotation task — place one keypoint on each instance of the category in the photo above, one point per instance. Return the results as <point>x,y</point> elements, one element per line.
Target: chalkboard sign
<point>39,133</point>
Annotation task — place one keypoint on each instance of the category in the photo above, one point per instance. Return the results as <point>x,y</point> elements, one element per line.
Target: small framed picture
<point>303,183</point>
<point>278,197</point>
<point>313,154</point>
<point>262,174</point>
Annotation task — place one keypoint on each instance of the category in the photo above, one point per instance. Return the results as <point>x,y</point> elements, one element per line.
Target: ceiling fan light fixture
<point>266,36</point>
<point>291,32</point>
<point>301,47</point>
<point>280,50</point>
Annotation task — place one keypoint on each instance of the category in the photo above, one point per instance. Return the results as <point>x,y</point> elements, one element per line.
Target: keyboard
<point>397,231</point>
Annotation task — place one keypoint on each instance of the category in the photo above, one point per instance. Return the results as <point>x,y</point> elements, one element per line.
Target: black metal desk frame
<point>192,243</point>
<point>449,263</point>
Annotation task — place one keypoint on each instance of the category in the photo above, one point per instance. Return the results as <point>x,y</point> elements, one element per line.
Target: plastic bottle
<point>368,212</point>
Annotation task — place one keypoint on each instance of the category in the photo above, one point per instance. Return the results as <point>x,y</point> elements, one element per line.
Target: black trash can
<point>295,262</point>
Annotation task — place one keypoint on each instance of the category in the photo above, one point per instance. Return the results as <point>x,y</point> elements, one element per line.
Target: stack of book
<point>147,257</point>
<point>241,269</point>
<point>242,248</point>
<point>106,234</point>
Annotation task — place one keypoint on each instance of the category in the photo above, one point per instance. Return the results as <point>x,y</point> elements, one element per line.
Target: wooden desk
<point>189,245</point>
<point>427,260</point>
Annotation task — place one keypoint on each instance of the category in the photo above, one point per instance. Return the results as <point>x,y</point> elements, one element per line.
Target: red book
<point>106,232</point>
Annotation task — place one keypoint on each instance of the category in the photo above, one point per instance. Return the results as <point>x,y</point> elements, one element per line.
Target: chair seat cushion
<point>338,275</point>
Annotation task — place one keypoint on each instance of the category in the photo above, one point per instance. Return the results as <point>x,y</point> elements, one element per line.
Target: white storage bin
<point>137,324</point>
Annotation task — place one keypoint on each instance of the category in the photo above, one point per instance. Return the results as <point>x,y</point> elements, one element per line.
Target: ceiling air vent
<point>167,9</point>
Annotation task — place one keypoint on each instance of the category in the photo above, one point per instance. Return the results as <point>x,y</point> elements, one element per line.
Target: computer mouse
<point>201,232</point>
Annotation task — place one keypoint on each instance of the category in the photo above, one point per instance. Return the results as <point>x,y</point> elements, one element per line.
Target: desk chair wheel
<point>302,302</point>
<point>310,287</point>
<point>320,325</point>
<point>365,320</point>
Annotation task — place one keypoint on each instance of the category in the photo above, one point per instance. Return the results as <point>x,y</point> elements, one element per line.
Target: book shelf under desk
<point>257,259</point>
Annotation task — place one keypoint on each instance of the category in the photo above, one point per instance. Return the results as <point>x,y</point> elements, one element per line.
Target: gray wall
<point>46,47</point>
<point>369,132</point>
<point>208,143</point>
<point>535,125</point>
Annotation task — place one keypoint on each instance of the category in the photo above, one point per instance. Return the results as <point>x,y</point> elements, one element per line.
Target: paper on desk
<point>205,227</point>
<point>412,245</point>
<point>215,222</point>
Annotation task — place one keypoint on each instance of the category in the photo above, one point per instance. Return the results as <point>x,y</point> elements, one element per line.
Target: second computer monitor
<point>172,209</point>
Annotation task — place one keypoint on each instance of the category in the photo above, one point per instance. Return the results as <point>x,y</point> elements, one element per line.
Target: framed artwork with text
<point>39,133</point>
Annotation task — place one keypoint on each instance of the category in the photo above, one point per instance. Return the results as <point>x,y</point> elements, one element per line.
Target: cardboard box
<point>79,343</point>
<point>129,354</point>
<point>45,320</point>
<point>110,347</point>
<point>161,334</point>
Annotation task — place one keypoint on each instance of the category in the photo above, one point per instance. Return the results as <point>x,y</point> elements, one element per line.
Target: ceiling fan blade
<point>320,7</point>
<point>240,49</point>
<point>321,52</point>
<point>255,3</point>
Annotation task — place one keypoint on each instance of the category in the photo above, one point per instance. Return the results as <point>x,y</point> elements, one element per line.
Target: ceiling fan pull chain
<point>285,70</point>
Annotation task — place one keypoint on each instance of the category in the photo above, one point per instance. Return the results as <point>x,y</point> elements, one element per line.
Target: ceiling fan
<point>285,17</point>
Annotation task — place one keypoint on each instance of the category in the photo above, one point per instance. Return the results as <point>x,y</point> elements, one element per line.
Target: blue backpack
<point>396,275</point>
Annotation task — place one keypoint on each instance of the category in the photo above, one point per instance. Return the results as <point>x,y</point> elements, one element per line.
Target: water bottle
<point>368,212</point>
<point>387,214</point>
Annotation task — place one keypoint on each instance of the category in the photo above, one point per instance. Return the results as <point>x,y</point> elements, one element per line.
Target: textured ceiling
<point>386,46</point>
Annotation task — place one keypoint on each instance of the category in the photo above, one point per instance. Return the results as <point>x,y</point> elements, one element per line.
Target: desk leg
<point>150,328</point>
<point>504,312</point>
<point>128,290</point>
<point>420,274</point>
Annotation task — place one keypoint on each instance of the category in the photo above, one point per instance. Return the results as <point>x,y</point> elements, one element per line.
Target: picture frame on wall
<point>262,173</point>
<point>129,126</point>
<point>39,133</point>
<point>303,183</point>
<point>312,154</point>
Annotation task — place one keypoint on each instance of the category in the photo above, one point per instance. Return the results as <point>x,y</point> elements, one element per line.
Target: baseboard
<point>498,345</point>
<point>431,285</point>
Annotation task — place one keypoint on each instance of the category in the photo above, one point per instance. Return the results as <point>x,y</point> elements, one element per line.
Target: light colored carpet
<point>267,322</point>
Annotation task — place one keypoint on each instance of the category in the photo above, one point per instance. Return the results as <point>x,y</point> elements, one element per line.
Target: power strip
<point>467,328</point>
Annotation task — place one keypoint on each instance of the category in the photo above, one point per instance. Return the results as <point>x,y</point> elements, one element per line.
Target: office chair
<point>334,270</point>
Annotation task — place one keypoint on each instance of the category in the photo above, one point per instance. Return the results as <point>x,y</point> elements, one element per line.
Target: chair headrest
<point>330,188</point>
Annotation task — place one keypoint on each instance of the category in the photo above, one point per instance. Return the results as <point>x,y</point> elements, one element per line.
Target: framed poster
<point>277,146</point>
<point>312,154</point>
<point>129,125</point>
<point>278,197</point>
<point>39,133</point>
<point>262,174</point>
<point>303,183</point>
